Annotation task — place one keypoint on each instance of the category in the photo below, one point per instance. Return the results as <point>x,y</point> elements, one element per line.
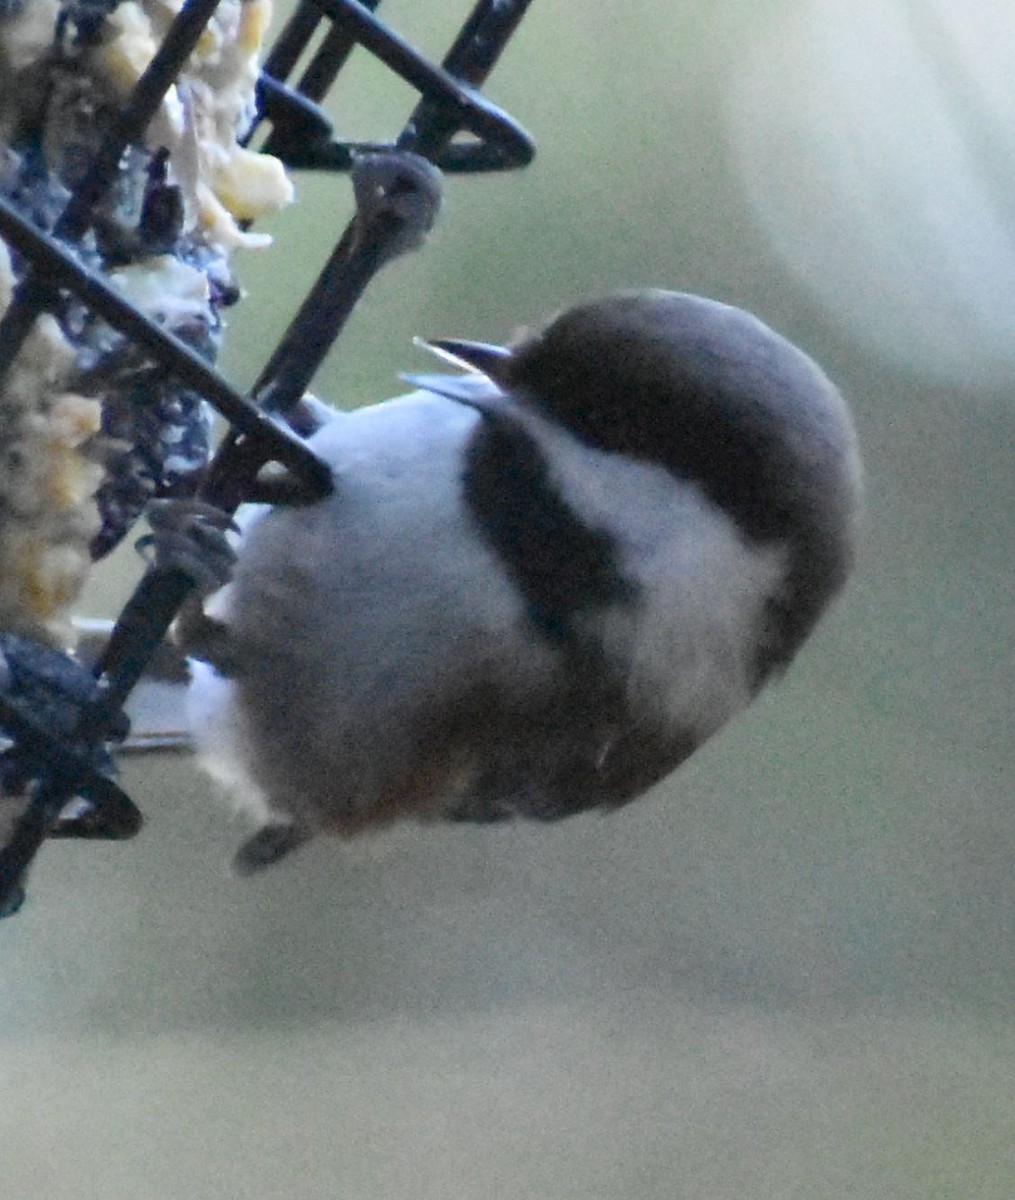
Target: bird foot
<point>267,847</point>
<point>190,536</point>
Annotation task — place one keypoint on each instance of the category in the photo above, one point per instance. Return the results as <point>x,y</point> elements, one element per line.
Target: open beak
<point>479,387</point>
<point>483,357</point>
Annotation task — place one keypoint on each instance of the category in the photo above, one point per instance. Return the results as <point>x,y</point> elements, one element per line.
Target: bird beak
<point>480,357</point>
<point>479,388</point>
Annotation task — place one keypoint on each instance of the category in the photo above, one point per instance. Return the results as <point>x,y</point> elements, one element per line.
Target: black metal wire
<point>130,123</point>
<point>330,58</point>
<point>53,765</point>
<point>448,107</point>
<point>437,120</point>
<point>33,294</point>
<point>302,132</point>
<point>56,268</point>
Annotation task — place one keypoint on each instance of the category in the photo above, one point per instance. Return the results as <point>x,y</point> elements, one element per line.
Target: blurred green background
<point>788,972</point>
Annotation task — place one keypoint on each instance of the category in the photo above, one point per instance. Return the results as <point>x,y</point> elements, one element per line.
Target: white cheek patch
<point>696,643</point>
<point>690,642</point>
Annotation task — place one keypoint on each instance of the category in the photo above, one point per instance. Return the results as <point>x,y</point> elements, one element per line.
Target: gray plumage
<point>536,590</point>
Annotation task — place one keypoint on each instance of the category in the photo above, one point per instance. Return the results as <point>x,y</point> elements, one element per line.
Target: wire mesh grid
<point>57,717</point>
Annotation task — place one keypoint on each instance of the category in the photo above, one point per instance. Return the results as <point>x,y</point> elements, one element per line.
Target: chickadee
<point>537,586</point>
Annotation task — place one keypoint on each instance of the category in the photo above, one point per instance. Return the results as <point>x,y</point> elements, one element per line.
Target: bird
<point>540,582</point>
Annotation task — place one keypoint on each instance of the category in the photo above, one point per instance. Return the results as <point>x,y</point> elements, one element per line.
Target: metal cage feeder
<point>58,717</point>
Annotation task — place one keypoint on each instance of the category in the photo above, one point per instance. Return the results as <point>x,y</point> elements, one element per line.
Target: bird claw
<point>190,536</point>
<point>266,847</point>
